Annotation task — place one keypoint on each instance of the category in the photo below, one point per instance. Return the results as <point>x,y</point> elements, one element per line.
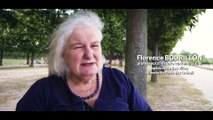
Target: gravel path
<point>7,74</point>
<point>14,83</point>
<point>203,80</point>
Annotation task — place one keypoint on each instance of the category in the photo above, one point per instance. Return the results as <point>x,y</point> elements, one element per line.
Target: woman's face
<point>83,52</point>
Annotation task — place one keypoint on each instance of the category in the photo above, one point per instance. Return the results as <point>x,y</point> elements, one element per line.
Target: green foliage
<point>167,26</point>
<point>32,30</point>
<point>204,60</point>
<point>35,28</point>
<point>114,32</point>
<point>7,18</point>
<point>14,55</point>
<point>7,22</point>
<point>29,30</point>
<point>184,52</point>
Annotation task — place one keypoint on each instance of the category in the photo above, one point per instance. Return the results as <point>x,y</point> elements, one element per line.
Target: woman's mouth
<point>87,64</point>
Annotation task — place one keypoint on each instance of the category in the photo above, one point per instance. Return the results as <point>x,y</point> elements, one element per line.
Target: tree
<point>114,33</point>
<point>7,22</point>
<point>166,27</point>
<point>136,44</point>
<point>35,29</point>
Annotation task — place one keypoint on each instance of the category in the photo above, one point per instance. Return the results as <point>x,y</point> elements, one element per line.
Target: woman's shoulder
<point>47,81</point>
<point>111,68</point>
<point>118,78</point>
<point>50,78</point>
<point>114,72</point>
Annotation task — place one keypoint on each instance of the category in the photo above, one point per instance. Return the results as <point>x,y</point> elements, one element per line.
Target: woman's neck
<point>81,80</point>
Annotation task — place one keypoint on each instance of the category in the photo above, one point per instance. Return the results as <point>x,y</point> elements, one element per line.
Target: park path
<point>8,74</point>
<point>15,82</point>
<point>202,79</point>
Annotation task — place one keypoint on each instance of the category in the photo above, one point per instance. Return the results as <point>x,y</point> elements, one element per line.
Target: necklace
<point>96,90</point>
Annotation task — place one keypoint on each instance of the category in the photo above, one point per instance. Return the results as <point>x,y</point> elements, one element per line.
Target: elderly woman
<point>78,80</point>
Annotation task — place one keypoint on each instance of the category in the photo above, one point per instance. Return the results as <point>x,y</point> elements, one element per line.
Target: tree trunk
<point>154,67</point>
<point>156,51</point>
<point>136,44</point>
<point>110,60</point>
<point>32,59</point>
<point>1,57</point>
<point>28,58</point>
<point>121,62</point>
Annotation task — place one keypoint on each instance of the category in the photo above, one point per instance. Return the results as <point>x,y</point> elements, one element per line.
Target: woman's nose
<point>88,53</point>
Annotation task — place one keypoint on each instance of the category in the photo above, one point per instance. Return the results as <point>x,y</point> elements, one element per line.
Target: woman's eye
<point>95,46</point>
<point>78,47</point>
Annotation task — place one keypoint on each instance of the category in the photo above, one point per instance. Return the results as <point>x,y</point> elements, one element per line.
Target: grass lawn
<point>14,62</point>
